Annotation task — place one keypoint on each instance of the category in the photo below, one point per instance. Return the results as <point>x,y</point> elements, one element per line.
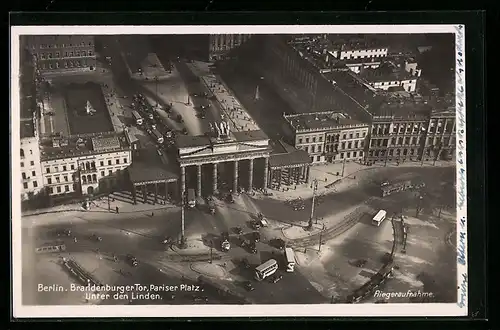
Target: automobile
<point>252,247</point>
<point>256,225</point>
<point>275,278</point>
<point>96,238</point>
<point>245,263</point>
<point>230,198</point>
<point>224,235</point>
<point>201,115</point>
<point>63,232</point>
<point>278,243</point>
<point>132,260</point>
<point>50,113</point>
<point>248,286</point>
<point>255,236</point>
<point>184,131</point>
<point>237,230</point>
<point>242,242</point>
<point>179,119</point>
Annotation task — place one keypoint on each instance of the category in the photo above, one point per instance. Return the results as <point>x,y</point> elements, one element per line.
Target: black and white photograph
<point>238,171</point>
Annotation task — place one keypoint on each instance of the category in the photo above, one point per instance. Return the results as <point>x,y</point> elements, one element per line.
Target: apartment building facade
<point>86,166</point>
<point>63,53</point>
<point>221,44</point>
<point>328,138</point>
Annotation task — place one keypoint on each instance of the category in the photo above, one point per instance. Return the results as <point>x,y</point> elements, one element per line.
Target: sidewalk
<point>233,110</point>
<point>354,174</point>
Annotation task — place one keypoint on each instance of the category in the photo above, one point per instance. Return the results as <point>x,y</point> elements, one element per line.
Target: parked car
<point>248,286</point>
<point>237,230</point>
<point>63,232</point>
<point>256,225</point>
<point>252,247</point>
<point>255,236</point>
<point>278,243</point>
<point>245,263</point>
<point>132,260</point>
<point>275,278</point>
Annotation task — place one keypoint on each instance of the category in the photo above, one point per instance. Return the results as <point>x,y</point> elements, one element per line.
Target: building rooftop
<point>246,136</point>
<point>354,88</point>
<point>283,155</point>
<point>186,141</point>
<point>386,72</point>
<point>320,120</point>
<point>27,129</point>
<point>148,166</point>
<point>76,147</point>
<point>405,109</point>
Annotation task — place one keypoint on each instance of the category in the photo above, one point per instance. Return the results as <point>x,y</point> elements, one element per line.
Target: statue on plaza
<point>89,108</point>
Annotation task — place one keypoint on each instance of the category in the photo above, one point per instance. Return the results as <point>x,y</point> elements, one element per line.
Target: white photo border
<point>320,310</point>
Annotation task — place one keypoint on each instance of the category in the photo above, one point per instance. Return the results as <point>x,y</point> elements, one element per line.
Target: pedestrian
<point>326,179</point>
<point>74,239</point>
<point>152,214</point>
<point>117,211</point>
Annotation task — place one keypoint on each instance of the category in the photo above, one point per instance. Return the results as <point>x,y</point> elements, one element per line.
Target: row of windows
<point>393,152</point>
<point>58,189</point>
<point>81,44</point>
<point>342,155</point>
<point>329,138</point>
<point>392,83</point>
<point>87,165</point>
<point>22,152</point>
<point>56,55</point>
<point>331,148</point>
<point>26,186</point>
<point>66,64</point>
<point>361,56</point>
<point>365,50</point>
<point>25,177</point>
<point>32,163</point>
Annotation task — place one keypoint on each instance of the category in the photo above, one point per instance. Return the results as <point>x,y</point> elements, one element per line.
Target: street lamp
<point>419,204</point>
<point>315,187</point>
<point>321,237</point>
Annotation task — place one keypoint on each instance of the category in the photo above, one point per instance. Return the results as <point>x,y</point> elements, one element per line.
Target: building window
<point>357,135</point>
<point>102,173</point>
<point>22,153</point>
<point>350,136</point>
<point>72,166</point>
<point>51,190</point>
<point>58,189</point>
<point>348,155</point>
<point>313,148</point>
<point>33,173</point>
<point>349,145</point>
<point>22,164</point>
<point>56,168</point>
<point>102,163</point>
<point>23,175</point>
<point>319,148</point>
<point>64,168</point>
<point>125,160</point>
<point>110,172</point>
<point>300,140</point>
<point>57,179</point>
<point>66,178</point>
<point>361,154</point>
<point>117,161</point>
<point>109,162</point>
<point>318,158</point>
<point>66,188</point>
<point>32,163</point>
<point>343,145</point>
<point>307,140</point>
<point>35,184</point>
<point>314,139</point>
<point>344,136</point>
<point>320,139</point>
<point>356,144</point>
<point>25,185</point>
<point>341,155</point>
<point>49,180</point>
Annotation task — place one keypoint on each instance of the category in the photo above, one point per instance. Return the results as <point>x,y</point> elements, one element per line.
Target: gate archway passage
<point>150,176</point>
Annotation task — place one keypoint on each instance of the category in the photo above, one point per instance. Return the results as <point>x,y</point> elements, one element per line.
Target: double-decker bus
<point>290,260</point>
<point>268,268</point>
<point>379,217</point>
<point>137,118</point>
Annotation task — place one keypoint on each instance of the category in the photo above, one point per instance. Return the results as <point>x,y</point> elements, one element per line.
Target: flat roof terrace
<point>76,147</point>
<point>320,120</point>
<point>76,97</point>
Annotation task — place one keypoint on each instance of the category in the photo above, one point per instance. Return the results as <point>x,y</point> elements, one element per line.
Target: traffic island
<point>191,246</point>
<point>216,270</point>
